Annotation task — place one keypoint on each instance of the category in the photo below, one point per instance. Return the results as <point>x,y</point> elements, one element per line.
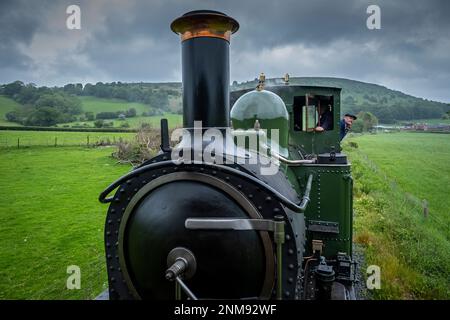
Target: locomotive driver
<point>346,124</point>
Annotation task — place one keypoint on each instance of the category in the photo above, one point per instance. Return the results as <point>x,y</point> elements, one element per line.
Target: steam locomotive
<point>267,214</point>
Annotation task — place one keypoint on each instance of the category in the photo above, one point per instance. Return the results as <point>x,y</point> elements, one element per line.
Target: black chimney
<point>205,37</point>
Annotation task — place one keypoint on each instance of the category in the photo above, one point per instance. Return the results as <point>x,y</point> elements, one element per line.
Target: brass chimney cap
<point>204,23</point>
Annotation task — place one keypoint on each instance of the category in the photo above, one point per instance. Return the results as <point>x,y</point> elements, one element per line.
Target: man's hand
<point>319,129</point>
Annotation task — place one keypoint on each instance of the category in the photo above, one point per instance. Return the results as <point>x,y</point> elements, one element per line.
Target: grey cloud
<point>132,41</point>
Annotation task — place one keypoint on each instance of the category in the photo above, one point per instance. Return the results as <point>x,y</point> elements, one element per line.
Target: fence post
<point>88,140</point>
<point>56,141</point>
<point>425,208</point>
<point>18,143</point>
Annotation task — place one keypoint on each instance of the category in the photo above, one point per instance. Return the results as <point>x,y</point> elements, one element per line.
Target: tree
<point>12,88</point>
<point>131,113</point>
<point>98,123</point>
<point>366,121</point>
<point>44,116</point>
<point>89,116</point>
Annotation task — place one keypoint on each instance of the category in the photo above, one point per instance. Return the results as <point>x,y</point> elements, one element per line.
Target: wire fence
<point>62,140</point>
<point>419,205</point>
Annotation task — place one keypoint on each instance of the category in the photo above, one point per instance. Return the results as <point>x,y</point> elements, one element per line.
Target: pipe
<point>168,163</point>
<point>186,289</point>
<point>205,36</point>
<point>305,198</point>
<point>292,162</point>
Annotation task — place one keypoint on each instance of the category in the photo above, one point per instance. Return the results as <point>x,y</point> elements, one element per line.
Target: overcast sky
<point>131,41</point>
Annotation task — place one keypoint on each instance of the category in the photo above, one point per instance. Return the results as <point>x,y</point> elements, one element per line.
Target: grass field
<point>96,105</point>
<point>50,218</point>
<point>393,174</point>
<point>47,138</point>
<point>175,120</point>
<point>7,105</point>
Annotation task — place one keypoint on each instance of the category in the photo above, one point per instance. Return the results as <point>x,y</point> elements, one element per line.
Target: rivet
<point>291,266</point>
<point>268,199</point>
<point>113,211</point>
<point>276,210</point>
<point>290,251</point>
<point>288,237</point>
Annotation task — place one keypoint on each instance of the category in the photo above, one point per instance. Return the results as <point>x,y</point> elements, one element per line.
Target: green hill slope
<point>96,105</point>
<point>7,105</point>
<point>388,105</point>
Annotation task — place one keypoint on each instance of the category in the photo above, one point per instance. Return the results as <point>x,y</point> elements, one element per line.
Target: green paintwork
<point>331,193</point>
<point>307,142</point>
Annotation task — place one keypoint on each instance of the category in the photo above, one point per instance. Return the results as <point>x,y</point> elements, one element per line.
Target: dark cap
<point>351,116</point>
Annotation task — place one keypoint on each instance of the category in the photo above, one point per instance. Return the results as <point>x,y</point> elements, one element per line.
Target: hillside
<point>388,105</point>
<point>7,105</point>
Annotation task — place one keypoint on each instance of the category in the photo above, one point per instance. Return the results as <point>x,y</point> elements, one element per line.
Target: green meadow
<point>19,139</point>
<point>394,174</point>
<point>50,217</point>
<point>96,105</point>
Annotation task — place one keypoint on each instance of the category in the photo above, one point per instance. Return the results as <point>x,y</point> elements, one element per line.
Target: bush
<point>89,116</point>
<point>108,124</point>
<point>125,125</point>
<point>143,147</point>
<point>98,123</point>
